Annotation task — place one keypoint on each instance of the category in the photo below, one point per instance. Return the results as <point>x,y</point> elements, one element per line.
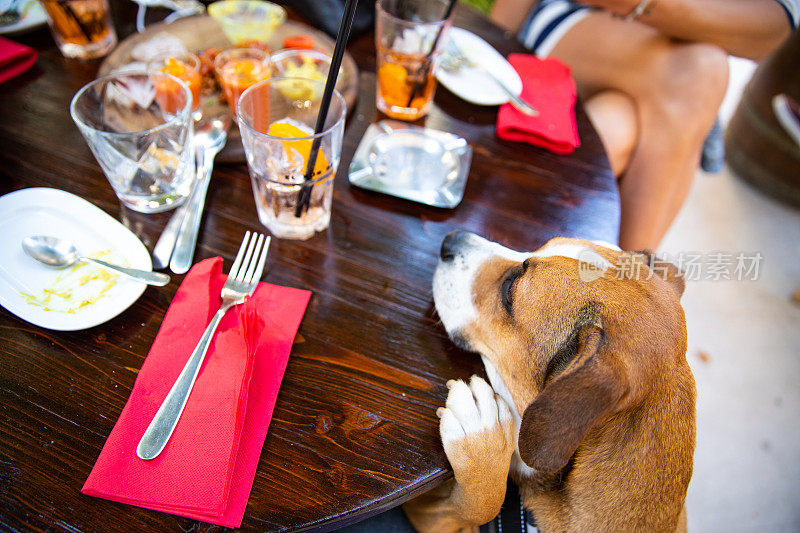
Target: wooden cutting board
<point>201,31</point>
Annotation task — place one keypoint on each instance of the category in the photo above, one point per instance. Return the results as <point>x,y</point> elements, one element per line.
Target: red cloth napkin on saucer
<point>207,469</point>
<point>15,59</point>
<point>548,86</point>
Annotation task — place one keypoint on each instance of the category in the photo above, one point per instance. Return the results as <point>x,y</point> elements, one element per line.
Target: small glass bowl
<point>247,20</point>
<point>300,63</point>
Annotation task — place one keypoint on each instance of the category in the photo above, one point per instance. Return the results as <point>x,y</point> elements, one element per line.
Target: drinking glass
<point>238,69</point>
<point>184,66</point>
<point>139,127</point>
<point>277,119</point>
<point>405,35</point>
<point>82,29</point>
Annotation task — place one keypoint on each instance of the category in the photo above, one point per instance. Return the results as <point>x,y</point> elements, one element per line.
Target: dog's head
<point>570,334</point>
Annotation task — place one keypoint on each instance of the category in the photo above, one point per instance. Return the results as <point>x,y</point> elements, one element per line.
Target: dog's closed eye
<point>508,286</point>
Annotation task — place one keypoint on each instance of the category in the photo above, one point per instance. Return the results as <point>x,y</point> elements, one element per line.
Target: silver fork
<point>242,280</point>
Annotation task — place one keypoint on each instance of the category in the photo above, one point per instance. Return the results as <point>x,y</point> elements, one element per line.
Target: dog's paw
<point>477,428</point>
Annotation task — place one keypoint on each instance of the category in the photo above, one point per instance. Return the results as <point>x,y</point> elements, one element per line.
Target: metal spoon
<point>60,253</point>
<point>211,131</point>
<point>209,138</point>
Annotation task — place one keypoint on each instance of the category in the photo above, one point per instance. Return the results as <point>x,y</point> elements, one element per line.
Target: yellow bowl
<point>247,20</point>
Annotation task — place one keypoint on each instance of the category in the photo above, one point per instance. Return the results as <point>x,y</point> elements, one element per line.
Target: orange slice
<point>303,147</point>
<point>392,81</point>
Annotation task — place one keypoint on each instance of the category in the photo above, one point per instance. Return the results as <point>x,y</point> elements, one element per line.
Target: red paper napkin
<point>548,86</point>
<point>15,59</point>
<point>206,470</point>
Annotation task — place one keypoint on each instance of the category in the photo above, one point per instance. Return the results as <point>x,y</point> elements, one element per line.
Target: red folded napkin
<point>207,469</point>
<point>15,59</point>
<point>548,86</point>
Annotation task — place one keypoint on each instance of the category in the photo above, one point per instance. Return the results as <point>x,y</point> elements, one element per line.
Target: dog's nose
<point>451,244</point>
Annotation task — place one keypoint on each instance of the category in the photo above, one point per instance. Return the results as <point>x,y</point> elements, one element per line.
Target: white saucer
<point>33,17</point>
<point>43,211</point>
<point>473,84</point>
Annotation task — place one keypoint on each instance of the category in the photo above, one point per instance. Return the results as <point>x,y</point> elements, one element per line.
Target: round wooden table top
<point>354,431</point>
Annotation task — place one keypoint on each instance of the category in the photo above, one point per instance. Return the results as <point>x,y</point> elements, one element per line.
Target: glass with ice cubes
<point>139,127</point>
<point>277,119</point>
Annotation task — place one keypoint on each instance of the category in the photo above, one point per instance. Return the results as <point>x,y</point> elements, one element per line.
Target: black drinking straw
<point>427,63</point>
<point>342,37</point>
<point>69,11</point>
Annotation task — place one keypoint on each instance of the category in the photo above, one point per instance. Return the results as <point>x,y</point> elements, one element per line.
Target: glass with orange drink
<point>185,67</point>
<point>82,29</point>
<point>405,36</point>
<point>239,68</point>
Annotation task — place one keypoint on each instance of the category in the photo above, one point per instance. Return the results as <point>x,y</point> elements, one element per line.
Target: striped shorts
<point>547,23</point>
<point>549,20</point>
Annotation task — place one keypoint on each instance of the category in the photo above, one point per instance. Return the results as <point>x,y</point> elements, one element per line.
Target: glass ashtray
<point>419,164</point>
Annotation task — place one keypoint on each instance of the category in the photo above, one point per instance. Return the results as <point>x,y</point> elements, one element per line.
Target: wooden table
<point>354,430</point>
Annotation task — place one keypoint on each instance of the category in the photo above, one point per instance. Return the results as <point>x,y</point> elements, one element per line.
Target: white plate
<point>43,211</point>
<point>32,17</point>
<point>473,84</point>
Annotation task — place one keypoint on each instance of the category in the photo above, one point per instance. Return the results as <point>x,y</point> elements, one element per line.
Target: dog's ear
<point>571,403</point>
<point>665,270</point>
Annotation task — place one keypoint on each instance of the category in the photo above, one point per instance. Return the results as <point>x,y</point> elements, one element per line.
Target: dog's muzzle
<point>460,256</point>
<point>451,245</point>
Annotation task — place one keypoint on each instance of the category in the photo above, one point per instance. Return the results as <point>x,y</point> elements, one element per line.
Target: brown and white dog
<point>593,356</point>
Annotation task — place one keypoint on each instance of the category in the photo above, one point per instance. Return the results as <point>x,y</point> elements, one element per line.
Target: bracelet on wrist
<point>644,7</point>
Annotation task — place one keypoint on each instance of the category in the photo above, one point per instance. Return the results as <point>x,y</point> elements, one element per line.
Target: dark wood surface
<point>354,431</point>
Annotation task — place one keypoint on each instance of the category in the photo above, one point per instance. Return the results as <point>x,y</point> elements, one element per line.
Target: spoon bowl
<point>57,253</point>
<point>60,253</point>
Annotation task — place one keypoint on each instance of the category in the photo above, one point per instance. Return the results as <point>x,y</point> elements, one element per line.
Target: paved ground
<point>744,348</point>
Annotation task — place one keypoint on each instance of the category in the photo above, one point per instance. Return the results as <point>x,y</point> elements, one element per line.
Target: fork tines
<point>248,267</point>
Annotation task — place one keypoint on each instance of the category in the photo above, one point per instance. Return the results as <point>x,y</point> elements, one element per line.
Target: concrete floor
<point>744,349</point>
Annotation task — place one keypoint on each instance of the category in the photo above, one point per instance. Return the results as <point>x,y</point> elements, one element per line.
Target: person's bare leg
<point>677,89</point>
<point>613,115</point>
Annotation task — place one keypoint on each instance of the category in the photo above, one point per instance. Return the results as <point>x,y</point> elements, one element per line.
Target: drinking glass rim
<point>162,57</point>
<point>267,60</point>
<point>284,53</point>
<point>324,132</point>
<point>185,112</point>
<point>410,22</point>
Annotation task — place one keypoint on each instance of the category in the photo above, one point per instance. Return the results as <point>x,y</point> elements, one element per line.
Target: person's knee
<point>704,68</point>
<point>686,83</point>
<point>613,115</point>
